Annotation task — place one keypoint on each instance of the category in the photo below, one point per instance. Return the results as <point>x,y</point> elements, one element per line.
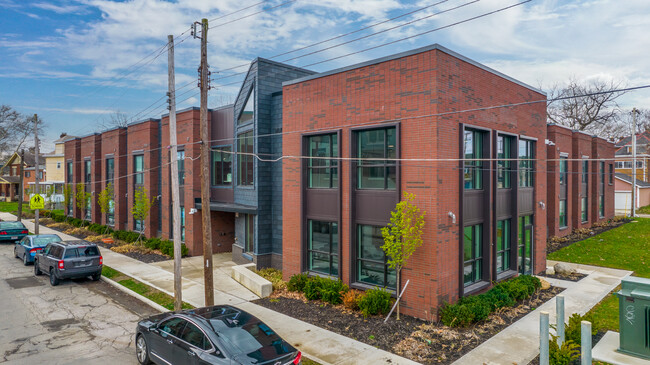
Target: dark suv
<point>69,259</point>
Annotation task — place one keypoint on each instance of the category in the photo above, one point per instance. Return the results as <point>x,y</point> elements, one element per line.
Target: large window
<point>563,170</point>
<point>322,170</point>
<point>138,169</point>
<point>70,173</point>
<point>525,244</point>
<point>504,164</point>
<point>180,159</point>
<point>472,254</point>
<point>374,148</point>
<point>323,247</point>
<point>249,239</point>
<point>585,171</point>
<point>473,152</point>
<point>583,209</point>
<point>110,170</point>
<point>248,112</point>
<point>601,197</point>
<point>87,171</point>
<point>503,245</point>
<point>611,174</point>
<point>371,260</point>
<point>245,159</point>
<point>222,166</point>
<point>526,163</point>
<point>182,224</point>
<point>563,211</point>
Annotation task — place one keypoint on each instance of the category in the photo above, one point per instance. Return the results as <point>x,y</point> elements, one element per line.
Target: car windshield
<point>245,334</point>
<point>11,225</point>
<point>44,240</point>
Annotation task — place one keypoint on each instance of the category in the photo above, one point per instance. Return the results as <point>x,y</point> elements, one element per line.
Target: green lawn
<point>604,315</point>
<point>11,207</point>
<point>626,247</point>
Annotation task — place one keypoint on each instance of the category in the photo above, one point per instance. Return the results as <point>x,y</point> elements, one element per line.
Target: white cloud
<point>61,9</point>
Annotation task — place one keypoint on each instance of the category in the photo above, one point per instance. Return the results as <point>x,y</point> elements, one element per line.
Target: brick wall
<point>113,145</point>
<point>72,152</point>
<point>408,90</point>
<point>562,146</point>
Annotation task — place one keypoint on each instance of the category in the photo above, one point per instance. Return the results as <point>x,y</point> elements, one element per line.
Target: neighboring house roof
<point>628,179</point>
<point>63,139</point>
<point>642,138</point>
<point>9,179</point>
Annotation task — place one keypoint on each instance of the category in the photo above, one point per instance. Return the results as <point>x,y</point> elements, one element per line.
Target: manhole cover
<point>57,324</point>
<point>24,282</point>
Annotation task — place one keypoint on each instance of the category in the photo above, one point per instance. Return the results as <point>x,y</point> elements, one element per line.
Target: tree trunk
<point>398,287</point>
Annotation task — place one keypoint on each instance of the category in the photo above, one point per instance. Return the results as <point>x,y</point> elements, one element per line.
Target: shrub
<point>274,276</point>
<point>498,297</point>
<point>573,331</point>
<point>516,289</point>
<point>332,291</point>
<point>153,243</point>
<point>456,315</point>
<point>351,298</point>
<point>127,236</point>
<point>312,288</point>
<point>468,310</point>
<point>297,282</point>
<point>167,248</point>
<point>375,301</point>
<point>564,355</point>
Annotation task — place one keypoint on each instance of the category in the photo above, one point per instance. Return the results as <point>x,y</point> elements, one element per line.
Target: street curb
<point>130,292</point>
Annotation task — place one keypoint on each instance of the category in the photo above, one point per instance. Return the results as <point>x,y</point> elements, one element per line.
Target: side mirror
<point>153,329</point>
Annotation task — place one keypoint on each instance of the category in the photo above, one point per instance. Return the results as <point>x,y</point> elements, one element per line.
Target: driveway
<point>77,322</point>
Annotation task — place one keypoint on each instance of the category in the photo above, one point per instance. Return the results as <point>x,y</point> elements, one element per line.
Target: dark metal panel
<point>374,207</point>
<point>526,201</point>
<point>473,207</point>
<point>321,204</point>
<point>222,195</point>
<point>221,126</point>
<point>504,206</point>
<point>563,189</point>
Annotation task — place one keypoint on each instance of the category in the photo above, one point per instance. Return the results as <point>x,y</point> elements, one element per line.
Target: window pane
<point>370,243</point>
<point>248,113</point>
<point>323,247</point>
<point>371,177</point>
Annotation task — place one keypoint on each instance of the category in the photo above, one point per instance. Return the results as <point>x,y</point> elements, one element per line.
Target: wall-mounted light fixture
<point>193,210</point>
<point>452,216</point>
<point>542,205</point>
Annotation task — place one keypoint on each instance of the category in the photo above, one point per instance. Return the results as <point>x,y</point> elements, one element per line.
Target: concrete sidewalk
<point>316,343</point>
<point>519,343</point>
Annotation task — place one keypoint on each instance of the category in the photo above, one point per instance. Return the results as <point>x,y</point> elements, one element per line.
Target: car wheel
<point>141,350</point>
<point>25,262</point>
<point>37,270</point>
<point>54,281</point>
<point>96,276</point>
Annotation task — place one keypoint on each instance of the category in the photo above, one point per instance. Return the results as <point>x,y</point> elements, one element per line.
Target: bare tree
<point>587,106</point>
<point>113,120</point>
<point>16,130</point>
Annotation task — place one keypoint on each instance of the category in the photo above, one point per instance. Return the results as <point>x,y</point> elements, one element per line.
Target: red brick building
<point>485,216</point>
<point>580,179</point>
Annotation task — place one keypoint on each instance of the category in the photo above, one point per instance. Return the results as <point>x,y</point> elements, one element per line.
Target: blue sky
<point>71,61</point>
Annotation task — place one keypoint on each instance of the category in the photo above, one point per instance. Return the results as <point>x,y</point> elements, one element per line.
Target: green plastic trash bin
<point>634,317</point>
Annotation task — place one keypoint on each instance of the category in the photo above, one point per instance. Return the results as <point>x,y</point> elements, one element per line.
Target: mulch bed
<point>552,246</point>
<point>576,276</point>
<point>143,257</point>
<point>422,341</point>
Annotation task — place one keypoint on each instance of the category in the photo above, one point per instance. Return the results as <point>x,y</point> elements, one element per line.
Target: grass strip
<point>626,247</point>
<point>141,288</point>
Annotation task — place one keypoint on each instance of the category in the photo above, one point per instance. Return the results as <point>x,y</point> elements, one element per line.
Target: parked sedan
<point>211,335</point>
<point>12,231</point>
<point>68,260</point>
<point>27,247</point>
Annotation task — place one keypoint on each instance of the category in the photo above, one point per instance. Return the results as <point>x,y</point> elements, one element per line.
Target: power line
<point>250,15</point>
<point>397,40</point>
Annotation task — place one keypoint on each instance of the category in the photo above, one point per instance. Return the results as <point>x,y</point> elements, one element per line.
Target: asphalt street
<point>77,322</point>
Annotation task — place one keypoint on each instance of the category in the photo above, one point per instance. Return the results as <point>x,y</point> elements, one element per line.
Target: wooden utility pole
<point>21,186</point>
<point>36,189</point>
<point>205,169</point>
<point>176,205</point>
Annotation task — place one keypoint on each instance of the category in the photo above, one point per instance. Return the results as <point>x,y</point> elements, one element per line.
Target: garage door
<point>623,200</point>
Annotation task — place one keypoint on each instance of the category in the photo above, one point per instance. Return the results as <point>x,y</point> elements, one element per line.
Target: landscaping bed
<point>556,243</point>
<point>576,276</point>
<point>422,341</point>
